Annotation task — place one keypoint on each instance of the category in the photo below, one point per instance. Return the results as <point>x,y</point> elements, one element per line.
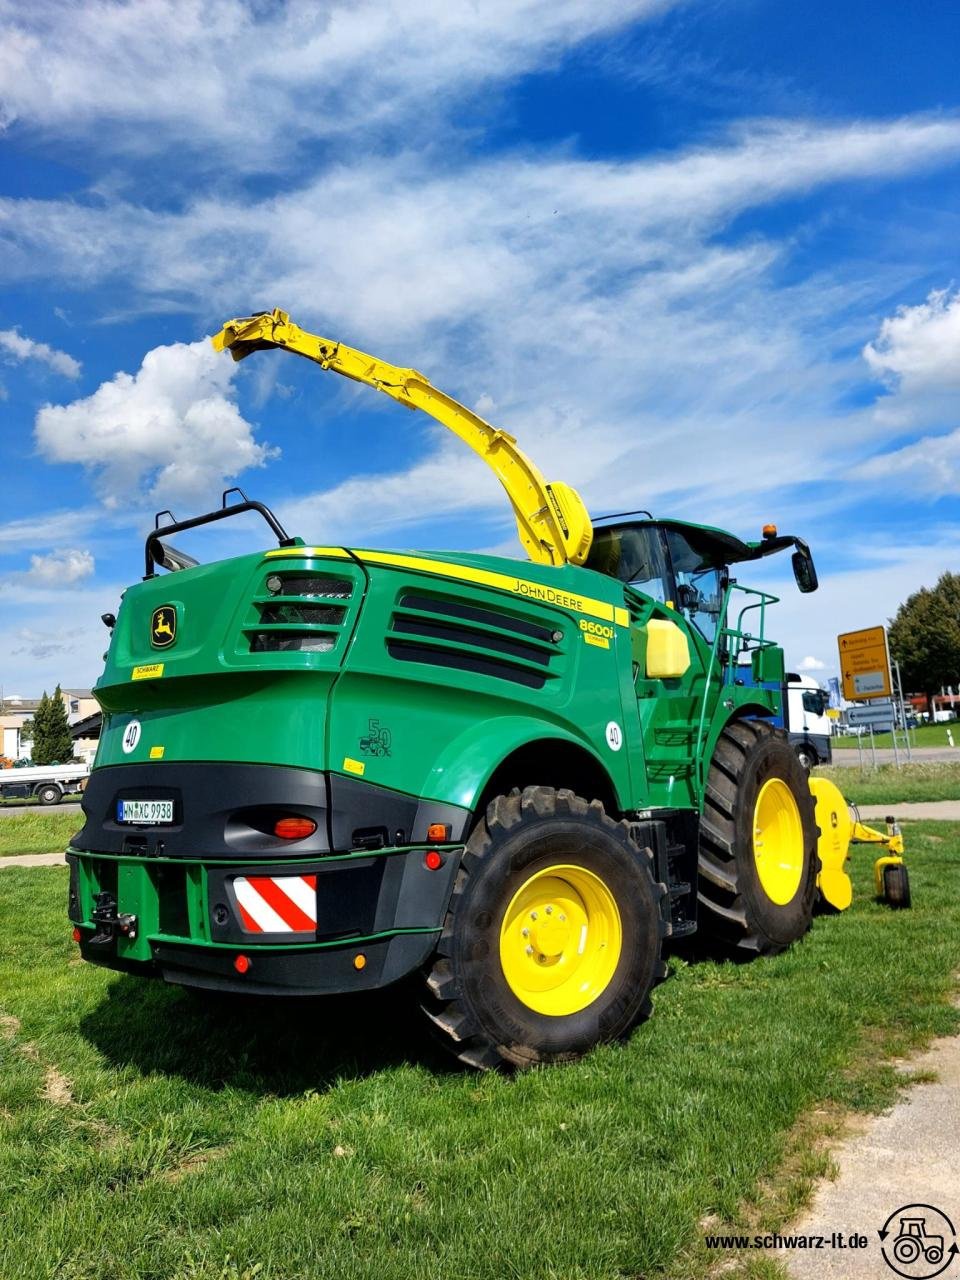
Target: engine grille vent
<point>299,613</point>
<point>442,632</point>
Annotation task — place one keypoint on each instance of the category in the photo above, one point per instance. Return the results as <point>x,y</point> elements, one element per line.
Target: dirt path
<point>907,1156</point>
<point>939,810</point>
<point>33,860</point>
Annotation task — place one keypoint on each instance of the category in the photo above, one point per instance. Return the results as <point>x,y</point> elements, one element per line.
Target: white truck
<point>47,784</point>
<point>806,721</point>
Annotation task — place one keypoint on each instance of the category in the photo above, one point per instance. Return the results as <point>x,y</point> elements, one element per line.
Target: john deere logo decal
<point>163,627</point>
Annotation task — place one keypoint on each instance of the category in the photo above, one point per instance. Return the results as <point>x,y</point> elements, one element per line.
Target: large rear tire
<point>758,842</point>
<point>552,941</point>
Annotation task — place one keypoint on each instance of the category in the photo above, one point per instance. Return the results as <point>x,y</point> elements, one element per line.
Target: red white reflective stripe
<point>277,904</point>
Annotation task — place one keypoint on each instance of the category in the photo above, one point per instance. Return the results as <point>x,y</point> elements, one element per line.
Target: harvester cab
<point>323,768</point>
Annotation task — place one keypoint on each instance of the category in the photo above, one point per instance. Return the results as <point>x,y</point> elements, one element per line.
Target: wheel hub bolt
<point>549,911</point>
<point>525,933</point>
<point>533,915</point>
<point>529,951</point>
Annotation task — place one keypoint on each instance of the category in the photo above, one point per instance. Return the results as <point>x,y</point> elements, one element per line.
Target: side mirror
<point>804,571</point>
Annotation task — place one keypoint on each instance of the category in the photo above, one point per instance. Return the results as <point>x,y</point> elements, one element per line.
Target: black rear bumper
<point>229,810</point>
<point>296,971</point>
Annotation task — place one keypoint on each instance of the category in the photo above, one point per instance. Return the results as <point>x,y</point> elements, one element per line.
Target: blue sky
<point>699,257</point>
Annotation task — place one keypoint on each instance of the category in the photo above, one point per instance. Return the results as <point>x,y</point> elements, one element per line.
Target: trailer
<point>47,783</point>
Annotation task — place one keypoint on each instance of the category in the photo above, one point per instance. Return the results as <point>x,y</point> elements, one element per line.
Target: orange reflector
<point>432,860</point>
<point>437,832</point>
<point>294,828</point>
<point>769,530</point>
<point>242,964</point>
<point>360,961</point>
<point>77,935</point>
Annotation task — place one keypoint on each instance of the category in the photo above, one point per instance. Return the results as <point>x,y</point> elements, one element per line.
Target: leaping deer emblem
<point>164,630</point>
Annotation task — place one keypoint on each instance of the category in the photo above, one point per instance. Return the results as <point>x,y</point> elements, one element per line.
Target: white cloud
<point>811,663</point>
<point>918,349</point>
<point>930,465</point>
<point>62,567</point>
<point>172,429</point>
<point>917,355</point>
<point>255,79</point>
<point>47,527</point>
<point>19,348</point>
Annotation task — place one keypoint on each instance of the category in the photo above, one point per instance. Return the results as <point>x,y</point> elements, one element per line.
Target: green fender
<point>469,761</point>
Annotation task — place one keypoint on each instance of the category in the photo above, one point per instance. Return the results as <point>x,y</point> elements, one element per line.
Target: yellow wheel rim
<point>778,841</point>
<point>560,940</point>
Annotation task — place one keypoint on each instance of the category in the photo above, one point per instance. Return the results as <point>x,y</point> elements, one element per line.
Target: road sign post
<point>865,664</point>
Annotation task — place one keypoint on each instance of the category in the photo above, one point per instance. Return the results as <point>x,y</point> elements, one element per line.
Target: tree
<point>51,732</point>
<point>925,638</point>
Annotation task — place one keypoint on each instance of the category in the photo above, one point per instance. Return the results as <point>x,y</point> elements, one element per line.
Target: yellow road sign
<point>864,664</point>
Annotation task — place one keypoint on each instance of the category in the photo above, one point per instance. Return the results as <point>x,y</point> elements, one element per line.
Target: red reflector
<point>77,935</point>
<point>242,964</point>
<point>432,860</point>
<point>294,828</point>
<point>438,833</point>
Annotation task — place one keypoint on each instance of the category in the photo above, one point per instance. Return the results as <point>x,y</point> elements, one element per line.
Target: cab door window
<point>699,585</point>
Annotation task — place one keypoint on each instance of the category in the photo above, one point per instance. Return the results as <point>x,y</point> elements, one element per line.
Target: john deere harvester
<point>324,769</point>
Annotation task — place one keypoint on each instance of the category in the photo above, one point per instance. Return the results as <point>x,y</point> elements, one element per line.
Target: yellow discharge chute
<point>552,521</point>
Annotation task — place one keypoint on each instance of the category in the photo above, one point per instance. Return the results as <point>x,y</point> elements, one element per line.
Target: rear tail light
<point>77,935</point>
<point>242,964</point>
<point>294,828</point>
<point>438,833</point>
<point>432,860</point>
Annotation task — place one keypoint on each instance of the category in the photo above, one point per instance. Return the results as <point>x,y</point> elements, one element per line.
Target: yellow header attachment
<point>552,521</point>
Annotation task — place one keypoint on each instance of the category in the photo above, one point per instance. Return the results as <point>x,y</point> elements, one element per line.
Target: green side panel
<point>420,673</point>
<point>211,694</point>
<point>425,682</point>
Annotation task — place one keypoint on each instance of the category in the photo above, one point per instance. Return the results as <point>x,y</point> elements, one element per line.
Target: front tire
<point>758,859</point>
<point>49,794</point>
<point>552,941</point>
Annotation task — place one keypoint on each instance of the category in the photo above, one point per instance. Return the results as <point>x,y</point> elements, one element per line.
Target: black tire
<point>470,1003</point>
<point>807,757</point>
<point>734,906</point>
<point>896,886</point>
<point>50,793</point>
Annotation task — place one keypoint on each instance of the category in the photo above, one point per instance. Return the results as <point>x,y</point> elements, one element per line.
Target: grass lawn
<point>925,735</point>
<point>44,832</point>
<point>145,1134</point>
<point>889,785</point>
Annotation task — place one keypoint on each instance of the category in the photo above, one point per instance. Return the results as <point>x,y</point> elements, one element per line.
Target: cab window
<point>699,585</point>
<point>634,554</point>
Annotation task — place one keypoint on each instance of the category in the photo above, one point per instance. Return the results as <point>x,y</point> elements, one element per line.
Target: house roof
<point>14,706</point>
<point>88,727</point>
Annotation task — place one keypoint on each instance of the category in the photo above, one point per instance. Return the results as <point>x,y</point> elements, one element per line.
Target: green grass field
<point>889,785</point>
<point>925,735</point>
<point>43,832</point>
<point>145,1134</point>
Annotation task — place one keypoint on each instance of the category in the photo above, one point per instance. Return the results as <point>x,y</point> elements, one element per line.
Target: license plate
<point>149,812</point>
